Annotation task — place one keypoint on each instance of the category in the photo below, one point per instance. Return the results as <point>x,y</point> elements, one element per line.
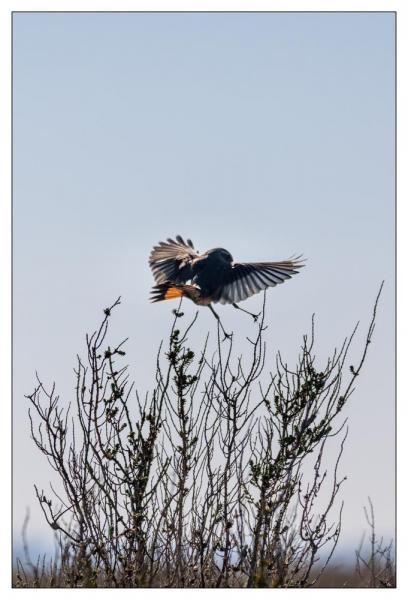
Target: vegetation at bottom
<point>219,477</point>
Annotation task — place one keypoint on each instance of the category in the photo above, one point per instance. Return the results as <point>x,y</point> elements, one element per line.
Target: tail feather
<point>165,291</point>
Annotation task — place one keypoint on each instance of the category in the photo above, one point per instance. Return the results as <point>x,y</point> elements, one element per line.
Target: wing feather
<point>171,260</point>
<point>246,279</point>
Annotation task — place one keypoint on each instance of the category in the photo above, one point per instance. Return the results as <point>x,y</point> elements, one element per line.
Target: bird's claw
<point>256,317</point>
<point>227,336</point>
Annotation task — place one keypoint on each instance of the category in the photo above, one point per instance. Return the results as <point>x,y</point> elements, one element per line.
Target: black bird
<point>214,275</point>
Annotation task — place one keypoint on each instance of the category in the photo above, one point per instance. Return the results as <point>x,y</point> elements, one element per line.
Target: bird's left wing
<point>171,260</point>
<point>246,279</point>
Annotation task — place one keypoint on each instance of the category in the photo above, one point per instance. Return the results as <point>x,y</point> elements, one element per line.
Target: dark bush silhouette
<point>215,479</point>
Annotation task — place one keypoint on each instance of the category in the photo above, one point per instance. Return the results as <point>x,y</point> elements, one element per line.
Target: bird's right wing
<point>246,279</point>
<point>171,260</point>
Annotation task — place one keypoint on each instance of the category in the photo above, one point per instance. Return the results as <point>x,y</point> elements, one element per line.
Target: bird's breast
<point>209,275</point>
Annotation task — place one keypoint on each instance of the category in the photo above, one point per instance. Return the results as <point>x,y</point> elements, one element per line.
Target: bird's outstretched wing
<point>171,260</point>
<point>246,279</point>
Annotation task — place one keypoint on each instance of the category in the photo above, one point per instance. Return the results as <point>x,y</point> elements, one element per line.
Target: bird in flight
<point>213,276</point>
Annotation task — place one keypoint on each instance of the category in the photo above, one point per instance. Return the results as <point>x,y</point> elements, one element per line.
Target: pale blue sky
<point>268,134</point>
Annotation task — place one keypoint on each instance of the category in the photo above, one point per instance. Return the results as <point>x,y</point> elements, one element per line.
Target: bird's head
<point>220,254</point>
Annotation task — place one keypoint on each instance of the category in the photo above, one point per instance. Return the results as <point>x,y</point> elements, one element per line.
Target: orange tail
<point>165,291</point>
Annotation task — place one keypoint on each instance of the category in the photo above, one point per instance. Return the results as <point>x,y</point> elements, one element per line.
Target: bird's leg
<point>226,335</point>
<point>255,317</point>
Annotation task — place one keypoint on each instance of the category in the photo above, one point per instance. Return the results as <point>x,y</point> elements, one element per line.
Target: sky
<point>267,134</point>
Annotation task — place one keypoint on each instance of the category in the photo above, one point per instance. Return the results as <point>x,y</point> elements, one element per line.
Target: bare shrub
<point>214,479</point>
<point>375,567</point>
